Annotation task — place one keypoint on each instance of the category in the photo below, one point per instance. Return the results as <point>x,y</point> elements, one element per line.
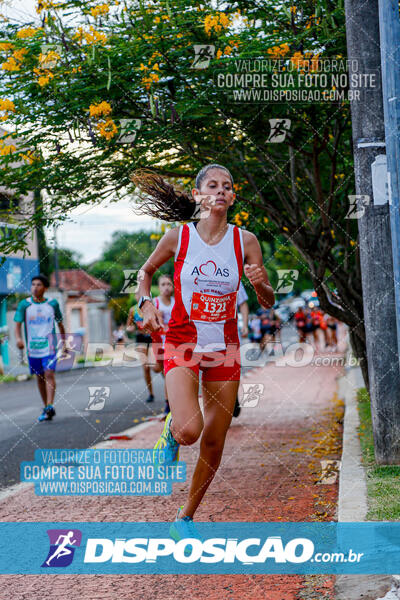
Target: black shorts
<point>269,330</point>
<point>143,338</point>
<point>332,326</point>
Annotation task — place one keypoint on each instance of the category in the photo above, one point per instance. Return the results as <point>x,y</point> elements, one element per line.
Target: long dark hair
<point>161,200</point>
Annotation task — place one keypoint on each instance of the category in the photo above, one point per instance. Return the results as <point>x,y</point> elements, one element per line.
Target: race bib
<point>206,307</point>
<point>39,344</point>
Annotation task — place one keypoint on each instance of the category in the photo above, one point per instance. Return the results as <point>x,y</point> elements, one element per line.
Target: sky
<point>90,227</point>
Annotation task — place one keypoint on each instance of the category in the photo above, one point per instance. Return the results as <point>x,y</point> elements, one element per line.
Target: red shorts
<point>223,365</point>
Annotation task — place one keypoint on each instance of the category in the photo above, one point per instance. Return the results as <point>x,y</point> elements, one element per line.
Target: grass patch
<point>7,378</point>
<point>383,482</point>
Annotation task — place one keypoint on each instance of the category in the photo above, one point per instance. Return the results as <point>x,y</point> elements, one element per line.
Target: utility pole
<point>363,48</point>
<point>389,25</point>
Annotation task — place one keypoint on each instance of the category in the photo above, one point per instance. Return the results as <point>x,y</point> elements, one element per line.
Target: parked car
<point>307,294</point>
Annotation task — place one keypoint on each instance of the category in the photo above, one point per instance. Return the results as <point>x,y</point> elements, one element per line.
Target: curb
<point>352,480</point>
<point>352,501</point>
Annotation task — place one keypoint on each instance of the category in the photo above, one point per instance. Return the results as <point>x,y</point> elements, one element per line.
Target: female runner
<point>165,303</point>
<point>202,334</point>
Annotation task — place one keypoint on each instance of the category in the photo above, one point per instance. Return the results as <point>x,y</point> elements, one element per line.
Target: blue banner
<point>102,472</point>
<point>224,548</point>
<point>16,275</point>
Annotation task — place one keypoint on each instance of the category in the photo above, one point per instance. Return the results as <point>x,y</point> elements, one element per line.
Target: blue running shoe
<point>44,416</point>
<point>167,444</point>
<point>51,411</point>
<point>183,528</point>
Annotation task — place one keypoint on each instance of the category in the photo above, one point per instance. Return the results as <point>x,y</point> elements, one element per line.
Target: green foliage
<point>136,61</point>
<point>126,251</point>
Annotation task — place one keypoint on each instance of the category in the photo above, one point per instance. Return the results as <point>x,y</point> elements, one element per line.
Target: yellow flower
<point>228,50</point>
<point>6,46</point>
<point>19,54</point>
<point>224,20</point>
<point>27,32</point>
<point>219,53</point>
<point>91,37</point>
<point>44,79</point>
<point>153,77</point>
<point>284,49</point>
<point>352,243</point>
<point>107,129</point>
<point>44,4</point>
<point>101,9</point>
<point>11,65</point>
<point>293,9</point>
<point>244,215</point>
<point>333,233</point>
<point>285,228</point>
<point>297,59</point>
<point>6,149</point>
<point>266,219</point>
<point>237,220</point>
<point>157,20</point>
<point>310,210</point>
<point>216,22</point>
<point>100,110</point>
<point>6,106</point>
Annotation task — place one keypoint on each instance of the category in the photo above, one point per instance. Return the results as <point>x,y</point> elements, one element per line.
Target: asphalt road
<point>74,426</point>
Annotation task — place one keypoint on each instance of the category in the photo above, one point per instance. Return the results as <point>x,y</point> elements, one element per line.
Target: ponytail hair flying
<point>161,200</point>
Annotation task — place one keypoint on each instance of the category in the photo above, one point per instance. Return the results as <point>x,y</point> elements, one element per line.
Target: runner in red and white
<point>207,280</point>
<point>210,257</point>
<point>164,303</point>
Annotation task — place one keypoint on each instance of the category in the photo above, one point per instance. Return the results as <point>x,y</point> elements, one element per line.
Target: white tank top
<point>165,310</point>
<point>206,280</point>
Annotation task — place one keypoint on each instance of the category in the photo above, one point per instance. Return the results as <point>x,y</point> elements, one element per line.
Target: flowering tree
<point>100,89</point>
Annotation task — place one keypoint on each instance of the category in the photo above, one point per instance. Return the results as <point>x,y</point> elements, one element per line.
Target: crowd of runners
<point>318,328</point>
<point>190,332</point>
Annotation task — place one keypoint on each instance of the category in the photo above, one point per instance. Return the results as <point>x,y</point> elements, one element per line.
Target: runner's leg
<point>183,391</point>
<point>144,350</point>
<point>50,385</point>
<point>41,381</point>
<point>219,400</point>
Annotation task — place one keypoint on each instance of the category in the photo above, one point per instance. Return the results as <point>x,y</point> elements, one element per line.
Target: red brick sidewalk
<point>269,472</point>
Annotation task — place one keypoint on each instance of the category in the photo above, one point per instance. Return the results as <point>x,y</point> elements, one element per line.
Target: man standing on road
<point>38,315</point>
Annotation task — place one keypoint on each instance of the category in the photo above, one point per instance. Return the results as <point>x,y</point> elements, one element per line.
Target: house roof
<point>78,280</point>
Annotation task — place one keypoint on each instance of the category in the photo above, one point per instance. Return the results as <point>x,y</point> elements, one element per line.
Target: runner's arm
<point>18,336</point>
<point>130,323</point>
<point>244,310</point>
<point>255,271</point>
<point>166,247</point>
